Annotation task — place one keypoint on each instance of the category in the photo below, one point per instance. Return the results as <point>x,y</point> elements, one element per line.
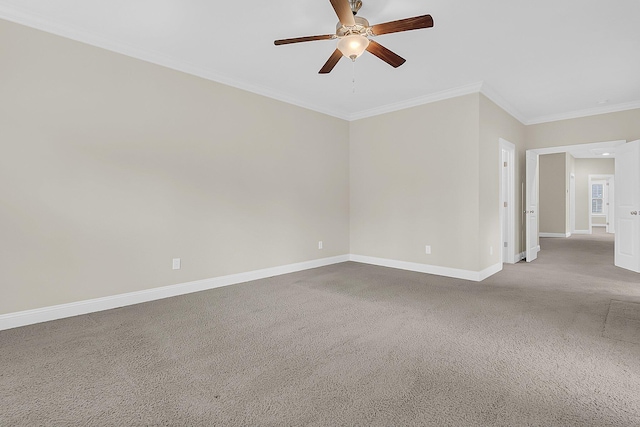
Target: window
<point>597,198</point>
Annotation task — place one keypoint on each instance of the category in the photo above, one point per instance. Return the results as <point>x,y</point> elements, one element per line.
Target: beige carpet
<point>548,343</point>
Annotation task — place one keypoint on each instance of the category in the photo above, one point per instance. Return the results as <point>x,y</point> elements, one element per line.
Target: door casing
<point>507,195</point>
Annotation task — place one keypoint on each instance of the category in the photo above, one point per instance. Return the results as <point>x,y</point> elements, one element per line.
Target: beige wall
<point>429,175</point>
<point>584,168</point>
<point>111,167</point>
<point>623,125</point>
<point>414,182</point>
<point>553,199</point>
<point>494,124</point>
<point>599,220</point>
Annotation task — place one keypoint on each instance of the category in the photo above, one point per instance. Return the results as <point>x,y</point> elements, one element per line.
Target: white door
<point>627,206</point>
<point>531,206</point>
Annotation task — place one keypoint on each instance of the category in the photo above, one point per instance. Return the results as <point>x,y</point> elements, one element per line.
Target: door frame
<point>507,220</point>
<point>567,149</point>
<point>572,203</point>
<point>610,209</point>
<point>531,207</point>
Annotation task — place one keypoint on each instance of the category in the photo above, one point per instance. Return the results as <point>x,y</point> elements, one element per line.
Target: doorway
<point>602,205</point>
<point>595,150</point>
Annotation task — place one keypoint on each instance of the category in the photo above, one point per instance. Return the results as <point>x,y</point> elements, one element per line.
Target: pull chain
<point>353,78</point>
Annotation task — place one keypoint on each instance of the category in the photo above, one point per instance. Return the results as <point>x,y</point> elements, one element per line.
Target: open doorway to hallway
<point>576,194</point>
<point>575,190</point>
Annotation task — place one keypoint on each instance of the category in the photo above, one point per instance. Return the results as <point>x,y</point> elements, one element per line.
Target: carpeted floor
<point>554,343</point>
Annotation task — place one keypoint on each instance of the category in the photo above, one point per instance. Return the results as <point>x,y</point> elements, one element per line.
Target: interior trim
<point>476,276</point>
<point>40,22</point>
<point>584,113</point>
<point>497,99</point>
<point>554,234</point>
<point>45,314</point>
<point>45,24</point>
<point>581,232</point>
<point>414,102</point>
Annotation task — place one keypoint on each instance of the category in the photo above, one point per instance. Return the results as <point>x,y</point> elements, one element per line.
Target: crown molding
<point>585,113</point>
<point>479,87</point>
<point>497,99</point>
<point>414,102</point>
<point>42,23</point>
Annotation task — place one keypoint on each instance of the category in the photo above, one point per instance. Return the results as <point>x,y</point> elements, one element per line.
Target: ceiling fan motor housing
<point>362,28</point>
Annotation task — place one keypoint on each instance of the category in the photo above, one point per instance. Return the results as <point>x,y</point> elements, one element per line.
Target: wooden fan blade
<point>304,39</point>
<point>333,60</point>
<point>343,10</point>
<point>385,54</point>
<point>415,23</point>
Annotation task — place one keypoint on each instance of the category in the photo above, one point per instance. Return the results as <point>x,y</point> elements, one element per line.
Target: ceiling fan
<point>354,33</point>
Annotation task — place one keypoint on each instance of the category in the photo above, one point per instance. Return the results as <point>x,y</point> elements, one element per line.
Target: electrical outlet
<point>490,250</point>
<point>320,244</point>
<point>427,249</point>
<point>176,263</point>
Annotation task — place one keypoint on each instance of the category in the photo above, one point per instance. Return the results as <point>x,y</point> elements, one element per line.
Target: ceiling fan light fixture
<point>352,46</point>
<point>353,34</point>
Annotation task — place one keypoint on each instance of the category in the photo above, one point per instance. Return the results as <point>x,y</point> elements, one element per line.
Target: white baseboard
<point>554,234</point>
<point>598,225</point>
<point>581,232</point>
<point>489,271</point>
<point>476,276</point>
<point>45,314</point>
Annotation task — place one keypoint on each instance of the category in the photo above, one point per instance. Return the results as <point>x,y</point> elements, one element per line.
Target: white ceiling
<point>541,60</point>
